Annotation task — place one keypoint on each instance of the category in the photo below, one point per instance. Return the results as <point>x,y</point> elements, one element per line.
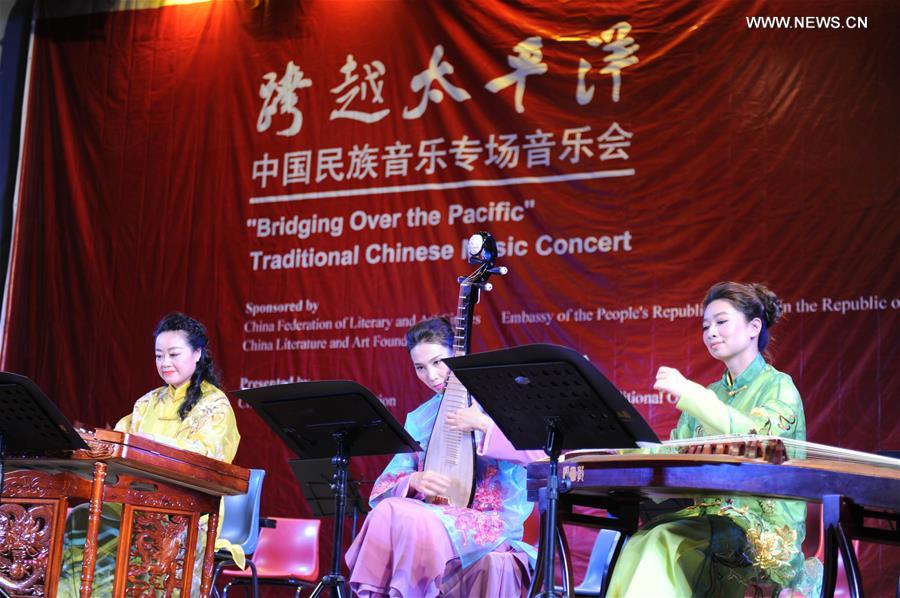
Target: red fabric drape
<point>164,169</point>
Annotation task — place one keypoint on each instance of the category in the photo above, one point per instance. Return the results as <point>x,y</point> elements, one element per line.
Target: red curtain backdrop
<point>301,176</point>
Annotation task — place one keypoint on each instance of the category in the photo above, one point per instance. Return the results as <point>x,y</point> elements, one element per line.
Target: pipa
<point>451,452</point>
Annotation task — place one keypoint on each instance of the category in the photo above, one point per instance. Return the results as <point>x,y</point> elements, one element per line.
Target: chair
<point>841,586</point>
<point>287,555</point>
<point>602,554</point>
<point>531,529</point>
<point>595,582</point>
<point>240,525</point>
<point>605,545</point>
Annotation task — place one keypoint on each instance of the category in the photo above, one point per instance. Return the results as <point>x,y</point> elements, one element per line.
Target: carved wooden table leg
<point>89,562</point>
<point>208,555</point>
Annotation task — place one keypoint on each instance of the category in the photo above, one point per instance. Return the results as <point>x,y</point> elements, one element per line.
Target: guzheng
<point>164,491</point>
<point>859,492</point>
<point>808,457</point>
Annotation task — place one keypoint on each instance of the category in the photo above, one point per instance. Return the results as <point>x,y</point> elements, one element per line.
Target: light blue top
<point>499,507</point>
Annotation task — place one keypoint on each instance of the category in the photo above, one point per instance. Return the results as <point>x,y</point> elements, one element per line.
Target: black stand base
<point>337,583</point>
<point>334,579</point>
<point>555,486</point>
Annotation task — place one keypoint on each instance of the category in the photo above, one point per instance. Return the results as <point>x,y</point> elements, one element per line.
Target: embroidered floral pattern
<point>481,527</point>
<point>132,422</point>
<point>206,413</point>
<point>488,496</point>
<point>773,549</point>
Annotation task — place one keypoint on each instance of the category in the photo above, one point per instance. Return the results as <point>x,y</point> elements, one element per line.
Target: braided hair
<point>753,300</point>
<point>197,339</point>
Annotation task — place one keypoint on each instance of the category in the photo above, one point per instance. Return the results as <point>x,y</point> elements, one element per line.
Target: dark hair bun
<point>771,303</point>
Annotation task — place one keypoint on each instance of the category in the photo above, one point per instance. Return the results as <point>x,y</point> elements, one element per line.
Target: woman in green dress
<point>721,544</point>
<point>188,412</point>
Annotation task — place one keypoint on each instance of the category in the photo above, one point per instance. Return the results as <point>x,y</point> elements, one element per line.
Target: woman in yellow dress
<point>189,412</point>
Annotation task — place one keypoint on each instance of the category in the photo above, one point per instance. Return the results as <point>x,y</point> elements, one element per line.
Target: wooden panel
<point>169,488</point>
<point>29,559</point>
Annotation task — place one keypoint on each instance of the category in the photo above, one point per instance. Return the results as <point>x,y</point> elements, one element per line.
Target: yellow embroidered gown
<point>209,429</point>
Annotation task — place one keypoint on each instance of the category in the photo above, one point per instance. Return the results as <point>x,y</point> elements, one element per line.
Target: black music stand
<point>30,424</point>
<point>551,397</point>
<point>337,419</point>
<point>316,479</point>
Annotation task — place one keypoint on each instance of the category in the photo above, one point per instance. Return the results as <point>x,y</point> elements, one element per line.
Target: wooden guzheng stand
<point>164,490</point>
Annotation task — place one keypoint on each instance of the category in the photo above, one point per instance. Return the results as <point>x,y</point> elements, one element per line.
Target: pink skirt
<point>403,551</point>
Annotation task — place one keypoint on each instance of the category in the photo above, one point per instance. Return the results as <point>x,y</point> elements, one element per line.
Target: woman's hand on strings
<point>670,381</point>
<point>429,483</point>
<point>468,419</point>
